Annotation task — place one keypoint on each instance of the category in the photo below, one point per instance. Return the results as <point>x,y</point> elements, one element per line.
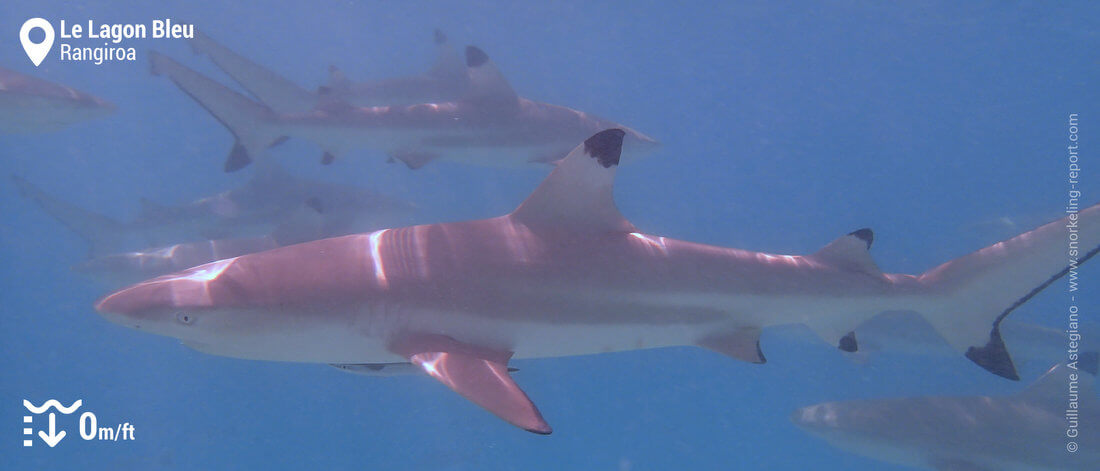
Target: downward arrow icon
<point>53,438</point>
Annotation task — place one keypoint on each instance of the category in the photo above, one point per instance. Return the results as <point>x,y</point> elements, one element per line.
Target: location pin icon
<point>36,51</point>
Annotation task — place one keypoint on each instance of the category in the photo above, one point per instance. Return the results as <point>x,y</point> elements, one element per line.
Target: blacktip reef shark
<point>490,125</point>
<point>31,105</point>
<point>1022,432</point>
<point>271,203</point>
<point>445,81</point>
<point>567,274</point>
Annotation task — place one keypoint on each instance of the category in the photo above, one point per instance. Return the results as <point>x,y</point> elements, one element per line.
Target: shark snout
<point>134,300</point>
<point>153,306</point>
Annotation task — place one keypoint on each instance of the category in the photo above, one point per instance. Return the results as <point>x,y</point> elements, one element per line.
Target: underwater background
<point>941,125</point>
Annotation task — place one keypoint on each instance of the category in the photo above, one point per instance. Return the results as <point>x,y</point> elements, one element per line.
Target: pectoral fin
<point>477,373</point>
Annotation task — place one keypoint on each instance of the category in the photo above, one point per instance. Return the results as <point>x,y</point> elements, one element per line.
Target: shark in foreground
<point>273,204</point>
<point>490,124</point>
<point>1027,431</point>
<point>567,274</point>
<point>30,105</point>
<point>446,81</point>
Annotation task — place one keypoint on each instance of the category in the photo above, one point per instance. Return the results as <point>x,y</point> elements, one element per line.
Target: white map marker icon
<point>36,51</point>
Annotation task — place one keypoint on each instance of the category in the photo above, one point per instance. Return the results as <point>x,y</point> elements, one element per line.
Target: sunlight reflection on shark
<point>458,299</point>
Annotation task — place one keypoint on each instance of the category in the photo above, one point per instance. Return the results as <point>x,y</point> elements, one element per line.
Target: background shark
<point>566,274</point>
<point>123,268</point>
<point>490,125</point>
<point>271,203</point>
<point>446,81</point>
<point>29,105</point>
<point>1021,432</point>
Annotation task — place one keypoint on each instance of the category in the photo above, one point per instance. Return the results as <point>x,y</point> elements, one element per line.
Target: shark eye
<point>185,318</point>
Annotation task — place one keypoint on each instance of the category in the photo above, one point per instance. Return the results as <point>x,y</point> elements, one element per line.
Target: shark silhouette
<point>273,203</point>
<point>30,105</point>
<point>1025,431</point>
<point>567,274</point>
<point>489,125</point>
<point>445,81</point>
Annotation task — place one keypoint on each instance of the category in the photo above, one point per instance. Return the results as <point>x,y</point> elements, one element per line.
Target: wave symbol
<point>53,403</point>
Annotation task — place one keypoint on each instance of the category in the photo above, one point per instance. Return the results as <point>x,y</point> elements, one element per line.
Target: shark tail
<point>250,122</point>
<point>978,291</point>
<point>102,233</point>
<point>272,89</point>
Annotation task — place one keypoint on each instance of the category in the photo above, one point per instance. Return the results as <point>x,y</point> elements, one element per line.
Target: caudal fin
<point>250,122</point>
<point>977,291</point>
<point>272,89</point>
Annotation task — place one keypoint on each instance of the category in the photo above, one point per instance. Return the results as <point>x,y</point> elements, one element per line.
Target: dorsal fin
<point>487,85</point>
<point>1055,384</point>
<point>448,63</point>
<point>850,252</point>
<point>335,93</point>
<point>577,194</point>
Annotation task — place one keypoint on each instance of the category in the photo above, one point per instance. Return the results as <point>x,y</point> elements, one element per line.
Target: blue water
<point>783,126</point>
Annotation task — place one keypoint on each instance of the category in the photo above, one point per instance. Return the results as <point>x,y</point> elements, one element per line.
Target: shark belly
<point>363,333</point>
<point>541,324</point>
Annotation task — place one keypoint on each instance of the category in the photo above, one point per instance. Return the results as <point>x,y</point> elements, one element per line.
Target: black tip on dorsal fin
<point>439,37</point>
<point>238,158</point>
<point>606,146</point>
<point>865,235</point>
<point>475,57</point>
<point>327,158</point>
<point>314,203</point>
<point>994,356</point>
<point>848,343</point>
